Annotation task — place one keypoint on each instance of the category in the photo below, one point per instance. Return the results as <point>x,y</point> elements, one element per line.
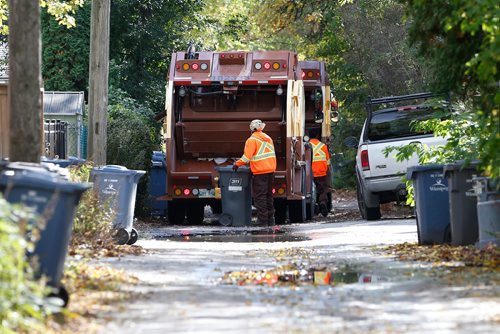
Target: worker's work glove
<point>235,167</point>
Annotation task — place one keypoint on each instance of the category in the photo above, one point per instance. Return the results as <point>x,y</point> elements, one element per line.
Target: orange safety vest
<point>321,158</point>
<point>259,152</point>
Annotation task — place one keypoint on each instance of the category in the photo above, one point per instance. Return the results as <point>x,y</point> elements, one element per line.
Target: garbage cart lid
<point>158,159</point>
<point>411,171</point>
<point>229,168</point>
<point>461,165</point>
<point>118,169</point>
<point>40,179</point>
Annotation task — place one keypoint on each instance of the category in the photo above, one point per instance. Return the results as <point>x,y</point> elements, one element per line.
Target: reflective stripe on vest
<point>318,153</point>
<point>263,153</point>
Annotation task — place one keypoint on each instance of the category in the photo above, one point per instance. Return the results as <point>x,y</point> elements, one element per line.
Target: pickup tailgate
<point>382,166</point>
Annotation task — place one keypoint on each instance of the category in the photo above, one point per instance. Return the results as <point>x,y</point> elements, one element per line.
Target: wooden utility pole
<point>98,81</point>
<point>25,106</point>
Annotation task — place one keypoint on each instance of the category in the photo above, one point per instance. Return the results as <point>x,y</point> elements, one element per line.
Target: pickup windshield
<point>397,123</point>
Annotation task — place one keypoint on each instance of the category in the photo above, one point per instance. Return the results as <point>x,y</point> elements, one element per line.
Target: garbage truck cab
<point>211,97</point>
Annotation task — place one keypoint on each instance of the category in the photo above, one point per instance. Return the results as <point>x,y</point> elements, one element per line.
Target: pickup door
<point>395,127</point>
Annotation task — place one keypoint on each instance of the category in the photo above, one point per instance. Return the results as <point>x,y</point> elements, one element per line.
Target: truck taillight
<point>187,191</point>
<point>262,65</point>
<point>365,162</point>
<point>311,74</point>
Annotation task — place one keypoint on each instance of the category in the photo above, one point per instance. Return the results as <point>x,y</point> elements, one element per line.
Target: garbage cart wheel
<point>226,219</point>
<point>134,236</point>
<point>62,294</point>
<point>121,236</point>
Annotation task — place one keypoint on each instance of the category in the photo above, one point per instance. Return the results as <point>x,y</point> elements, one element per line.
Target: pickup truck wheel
<point>366,212</point>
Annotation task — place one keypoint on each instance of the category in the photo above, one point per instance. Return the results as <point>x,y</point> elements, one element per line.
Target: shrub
<point>133,135</point>
<point>21,295</point>
<point>93,220</point>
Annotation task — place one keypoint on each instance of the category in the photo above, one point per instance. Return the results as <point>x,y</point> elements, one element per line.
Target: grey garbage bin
<point>431,203</point>
<point>117,186</point>
<point>55,200</point>
<point>236,193</point>
<point>463,203</point>
<point>488,211</point>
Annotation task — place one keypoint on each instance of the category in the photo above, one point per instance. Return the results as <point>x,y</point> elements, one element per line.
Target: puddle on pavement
<point>244,236</point>
<point>292,275</point>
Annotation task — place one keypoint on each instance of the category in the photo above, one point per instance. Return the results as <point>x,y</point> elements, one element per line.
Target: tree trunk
<point>24,81</point>
<point>98,81</point>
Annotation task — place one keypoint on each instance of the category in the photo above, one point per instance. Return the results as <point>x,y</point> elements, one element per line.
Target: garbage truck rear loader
<point>211,97</point>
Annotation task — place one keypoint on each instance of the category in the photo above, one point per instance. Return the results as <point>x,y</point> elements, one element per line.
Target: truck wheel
<point>366,212</point>
<point>216,207</point>
<point>195,213</point>
<point>176,212</point>
<point>329,205</point>
<point>297,211</point>
<point>279,211</point>
<point>311,204</point>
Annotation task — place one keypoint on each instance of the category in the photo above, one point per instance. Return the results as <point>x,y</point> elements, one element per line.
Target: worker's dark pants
<point>322,185</point>
<point>262,188</point>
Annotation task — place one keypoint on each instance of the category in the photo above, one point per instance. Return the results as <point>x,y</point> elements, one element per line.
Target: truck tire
<point>195,213</point>
<point>311,204</point>
<point>176,212</point>
<point>367,212</point>
<point>216,207</point>
<point>329,204</point>
<point>297,211</point>
<point>279,211</point>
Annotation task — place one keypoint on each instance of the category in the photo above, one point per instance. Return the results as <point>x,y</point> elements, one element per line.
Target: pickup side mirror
<point>351,142</point>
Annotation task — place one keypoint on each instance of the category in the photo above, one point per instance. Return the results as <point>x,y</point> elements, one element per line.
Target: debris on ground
<point>104,249</point>
<point>294,275</point>
<point>94,290</point>
<point>444,254</point>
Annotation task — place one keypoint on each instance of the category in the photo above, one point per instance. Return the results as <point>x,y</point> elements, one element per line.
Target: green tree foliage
<point>65,52</point>
<point>462,41</point>
<point>61,10</point>
<point>132,136</point>
<point>21,295</point>
<point>143,36</point>
<point>364,44</point>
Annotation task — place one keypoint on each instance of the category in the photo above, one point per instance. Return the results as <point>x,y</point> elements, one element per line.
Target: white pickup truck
<point>379,178</point>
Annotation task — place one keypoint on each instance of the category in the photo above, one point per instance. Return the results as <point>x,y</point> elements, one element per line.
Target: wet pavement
<point>213,279</point>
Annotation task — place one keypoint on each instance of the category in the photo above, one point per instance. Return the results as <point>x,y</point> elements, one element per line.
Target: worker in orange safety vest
<point>259,153</point>
<point>320,169</point>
